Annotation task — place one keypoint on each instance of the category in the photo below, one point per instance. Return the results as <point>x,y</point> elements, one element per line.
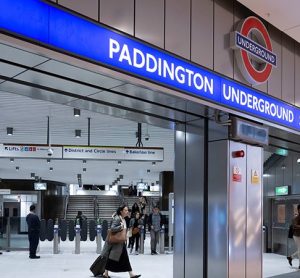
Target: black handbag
<point>98,266</point>
<point>291,231</point>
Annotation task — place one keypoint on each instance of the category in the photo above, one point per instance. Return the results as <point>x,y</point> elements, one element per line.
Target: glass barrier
<point>13,233</point>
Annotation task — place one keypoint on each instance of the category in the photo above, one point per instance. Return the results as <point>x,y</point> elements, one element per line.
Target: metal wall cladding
<point>179,203</point>
<point>194,199</point>
<point>288,69</point>
<point>198,31</point>
<point>177,27</point>
<point>254,212</point>
<point>188,188</point>
<point>149,21</point>
<point>297,70</point>
<point>237,217</point>
<point>118,14</point>
<point>217,263</point>
<point>202,27</point>
<point>88,8</point>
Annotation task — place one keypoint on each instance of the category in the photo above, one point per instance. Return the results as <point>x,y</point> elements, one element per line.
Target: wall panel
<point>177,27</point>
<point>118,14</point>
<point>88,8</point>
<point>288,66</point>
<point>254,213</point>
<point>240,13</point>
<point>179,203</point>
<point>202,32</point>
<point>274,83</point>
<point>149,21</point>
<point>194,199</point>
<point>297,74</point>
<point>223,25</point>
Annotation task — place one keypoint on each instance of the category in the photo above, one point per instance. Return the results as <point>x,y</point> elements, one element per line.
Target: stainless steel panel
<point>88,8</point>
<point>82,75</point>
<point>177,28</point>
<point>149,21</point>
<point>179,194</point>
<point>9,70</point>
<point>297,73</point>
<point>254,213</point>
<point>274,83</point>
<point>121,113</point>
<point>288,69</point>
<point>217,209</point>
<point>56,83</point>
<point>194,200</point>
<point>118,14</point>
<point>33,92</point>
<point>223,25</point>
<point>237,213</point>
<point>202,32</point>
<point>19,56</point>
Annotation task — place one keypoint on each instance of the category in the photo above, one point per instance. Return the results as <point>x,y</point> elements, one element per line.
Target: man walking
<point>154,226</point>
<point>33,223</point>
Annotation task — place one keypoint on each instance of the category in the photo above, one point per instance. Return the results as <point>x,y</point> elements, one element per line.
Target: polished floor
<point>67,264</point>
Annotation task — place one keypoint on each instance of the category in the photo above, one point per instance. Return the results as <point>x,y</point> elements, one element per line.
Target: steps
<point>83,203</point>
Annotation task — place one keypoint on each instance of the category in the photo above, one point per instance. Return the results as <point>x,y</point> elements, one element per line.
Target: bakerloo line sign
<point>121,52</point>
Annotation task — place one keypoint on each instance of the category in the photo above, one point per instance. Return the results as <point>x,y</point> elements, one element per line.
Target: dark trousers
<point>135,238</point>
<point>33,243</point>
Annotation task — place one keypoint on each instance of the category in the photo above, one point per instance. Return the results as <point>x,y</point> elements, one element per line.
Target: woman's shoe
<point>104,276</point>
<point>136,276</point>
<point>289,258</point>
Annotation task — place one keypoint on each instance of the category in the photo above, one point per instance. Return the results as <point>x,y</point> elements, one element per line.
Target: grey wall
<point>188,189</point>
<point>197,30</point>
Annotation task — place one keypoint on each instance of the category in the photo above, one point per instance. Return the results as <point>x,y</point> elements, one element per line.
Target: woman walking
<point>118,260</point>
<point>135,225</point>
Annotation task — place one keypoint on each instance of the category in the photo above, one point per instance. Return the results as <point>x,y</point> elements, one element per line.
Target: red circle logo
<point>254,51</point>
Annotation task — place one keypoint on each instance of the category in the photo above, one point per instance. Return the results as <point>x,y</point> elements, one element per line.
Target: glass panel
<point>18,237</point>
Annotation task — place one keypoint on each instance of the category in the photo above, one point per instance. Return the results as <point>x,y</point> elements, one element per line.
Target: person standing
<point>296,237</point>
<point>118,260</point>
<point>155,222</point>
<point>33,223</point>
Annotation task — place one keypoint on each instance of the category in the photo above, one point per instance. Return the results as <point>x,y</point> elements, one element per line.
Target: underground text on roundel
<point>185,76</point>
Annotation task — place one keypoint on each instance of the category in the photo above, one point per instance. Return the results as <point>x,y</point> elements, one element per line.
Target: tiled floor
<point>67,264</point>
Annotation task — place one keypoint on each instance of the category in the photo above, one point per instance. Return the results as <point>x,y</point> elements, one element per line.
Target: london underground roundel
<point>253,50</point>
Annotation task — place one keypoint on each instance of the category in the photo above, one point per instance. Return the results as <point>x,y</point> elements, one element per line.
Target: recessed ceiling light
<point>76,112</point>
<point>9,131</point>
<point>77,133</point>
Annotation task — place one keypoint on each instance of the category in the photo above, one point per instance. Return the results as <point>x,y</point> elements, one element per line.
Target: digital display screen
<point>40,186</point>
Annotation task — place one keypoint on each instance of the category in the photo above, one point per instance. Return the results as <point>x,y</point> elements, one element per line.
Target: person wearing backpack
<point>296,237</point>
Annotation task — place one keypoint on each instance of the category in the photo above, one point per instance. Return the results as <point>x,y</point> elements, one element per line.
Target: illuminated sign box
<point>282,190</point>
<point>40,186</point>
<point>61,30</point>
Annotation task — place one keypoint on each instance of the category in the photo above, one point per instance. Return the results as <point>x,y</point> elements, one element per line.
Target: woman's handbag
<point>118,237</point>
<point>135,230</point>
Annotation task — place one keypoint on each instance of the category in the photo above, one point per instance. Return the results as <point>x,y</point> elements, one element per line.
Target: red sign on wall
<point>236,174</point>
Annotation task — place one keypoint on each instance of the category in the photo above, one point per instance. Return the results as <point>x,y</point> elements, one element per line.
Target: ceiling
<point>284,15</point>
<point>34,87</point>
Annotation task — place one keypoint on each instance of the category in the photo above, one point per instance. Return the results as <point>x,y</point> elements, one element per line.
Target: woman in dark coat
<point>118,260</point>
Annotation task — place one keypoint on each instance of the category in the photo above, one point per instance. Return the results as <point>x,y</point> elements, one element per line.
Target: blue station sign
<point>59,29</point>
